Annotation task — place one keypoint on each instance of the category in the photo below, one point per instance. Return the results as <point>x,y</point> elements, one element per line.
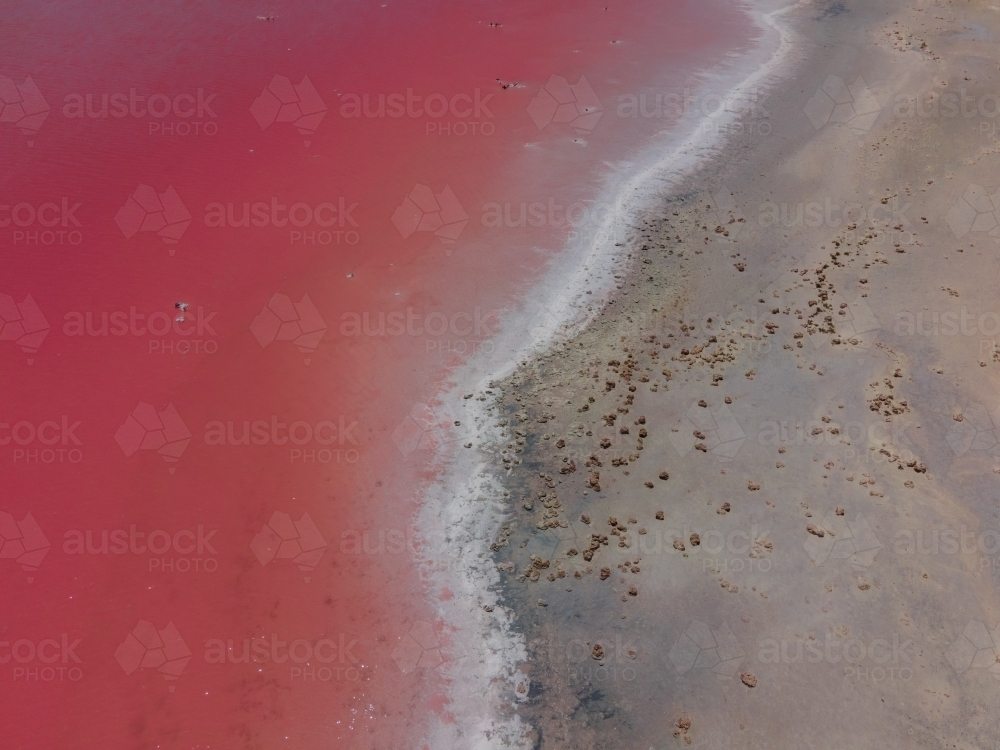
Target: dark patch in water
<point>831,11</point>
<point>595,705</point>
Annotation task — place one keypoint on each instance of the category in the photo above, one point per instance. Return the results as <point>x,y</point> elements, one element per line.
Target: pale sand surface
<point>841,475</point>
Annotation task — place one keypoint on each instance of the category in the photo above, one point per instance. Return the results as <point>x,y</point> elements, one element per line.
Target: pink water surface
<point>355,593</point>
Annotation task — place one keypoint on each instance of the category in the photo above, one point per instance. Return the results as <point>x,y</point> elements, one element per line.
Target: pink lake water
<point>207,531</point>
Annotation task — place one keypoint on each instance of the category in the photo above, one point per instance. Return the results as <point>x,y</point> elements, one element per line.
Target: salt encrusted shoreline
<point>467,504</point>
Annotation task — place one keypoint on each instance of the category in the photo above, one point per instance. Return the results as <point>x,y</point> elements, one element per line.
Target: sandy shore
<point>467,514</point>
<point>751,504</point>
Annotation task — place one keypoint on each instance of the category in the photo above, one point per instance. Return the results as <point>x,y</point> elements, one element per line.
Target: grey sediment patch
<point>578,700</point>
